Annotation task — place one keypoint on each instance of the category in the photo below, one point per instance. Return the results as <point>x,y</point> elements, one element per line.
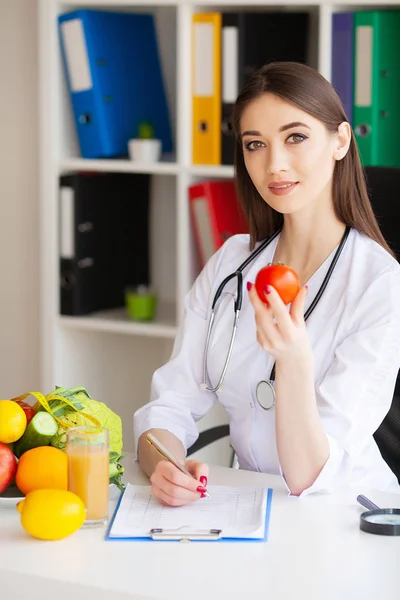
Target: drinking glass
<point>88,470</point>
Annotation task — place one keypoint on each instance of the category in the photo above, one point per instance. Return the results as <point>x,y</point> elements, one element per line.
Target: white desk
<point>315,551</point>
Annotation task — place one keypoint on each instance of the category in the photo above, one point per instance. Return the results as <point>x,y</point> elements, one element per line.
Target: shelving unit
<point>111,356</point>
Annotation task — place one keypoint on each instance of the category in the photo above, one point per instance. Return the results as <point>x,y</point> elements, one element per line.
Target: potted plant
<point>145,147</point>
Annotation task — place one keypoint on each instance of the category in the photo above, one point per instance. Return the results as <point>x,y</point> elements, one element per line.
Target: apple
<point>8,467</point>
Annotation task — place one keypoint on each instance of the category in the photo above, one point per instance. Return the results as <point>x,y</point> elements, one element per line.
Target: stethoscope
<point>265,391</point>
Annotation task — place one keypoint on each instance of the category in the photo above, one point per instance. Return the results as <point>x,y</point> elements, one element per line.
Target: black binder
<point>259,38</point>
<point>104,239</point>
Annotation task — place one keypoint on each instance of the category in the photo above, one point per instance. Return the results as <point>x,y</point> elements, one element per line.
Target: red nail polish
<point>201,489</point>
<point>203,480</point>
<point>267,289</point>
<point>203,496</point>
<point>249,286</point>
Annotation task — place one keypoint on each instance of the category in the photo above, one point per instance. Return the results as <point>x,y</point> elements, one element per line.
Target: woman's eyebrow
<point>292,125</point>
<point>283,128</point>
<point>251,132</point>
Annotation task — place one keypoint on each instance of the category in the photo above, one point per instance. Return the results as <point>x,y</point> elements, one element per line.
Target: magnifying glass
<point>383,521</point>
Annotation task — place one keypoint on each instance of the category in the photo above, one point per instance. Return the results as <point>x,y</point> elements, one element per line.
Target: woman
<point>298,171</point>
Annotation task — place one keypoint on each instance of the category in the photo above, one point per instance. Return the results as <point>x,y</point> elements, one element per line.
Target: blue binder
<point>115,80</point>
<point>343,59</point>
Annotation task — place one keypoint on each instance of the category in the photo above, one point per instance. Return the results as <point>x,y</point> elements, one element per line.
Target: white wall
<point>19,237</point>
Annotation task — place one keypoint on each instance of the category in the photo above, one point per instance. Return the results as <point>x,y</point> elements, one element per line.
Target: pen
<point>168,456</point>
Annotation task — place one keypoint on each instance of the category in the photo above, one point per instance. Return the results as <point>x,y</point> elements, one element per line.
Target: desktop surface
<point>315,551</point>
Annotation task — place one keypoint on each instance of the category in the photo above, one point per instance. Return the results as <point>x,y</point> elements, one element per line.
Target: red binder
<point>216,215</point>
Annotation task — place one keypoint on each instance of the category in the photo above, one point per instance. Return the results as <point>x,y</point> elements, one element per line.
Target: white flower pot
<point>148,150</point>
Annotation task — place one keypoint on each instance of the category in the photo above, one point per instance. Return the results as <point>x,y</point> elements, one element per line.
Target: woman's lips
<point>282,188</point>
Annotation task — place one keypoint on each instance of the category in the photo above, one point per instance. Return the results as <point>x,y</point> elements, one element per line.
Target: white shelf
<point>119,166</point>
<point>116,5</point>
<point>211,171</point>
<point>117,321</point>
<point>163,167</point>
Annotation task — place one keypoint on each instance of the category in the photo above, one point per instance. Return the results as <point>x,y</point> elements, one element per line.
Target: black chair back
<point>384,192</point>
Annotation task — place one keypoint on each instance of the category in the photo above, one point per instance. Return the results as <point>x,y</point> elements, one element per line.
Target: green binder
<point>376,110</point>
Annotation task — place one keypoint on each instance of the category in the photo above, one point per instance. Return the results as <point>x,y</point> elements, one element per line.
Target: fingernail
<point>203,480</point>
<point>203,496</point>
<point>267,289</point>
<point>201,489</point>
<point>249,286</point>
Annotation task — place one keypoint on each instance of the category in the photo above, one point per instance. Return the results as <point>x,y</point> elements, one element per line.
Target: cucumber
<point>39,432</point>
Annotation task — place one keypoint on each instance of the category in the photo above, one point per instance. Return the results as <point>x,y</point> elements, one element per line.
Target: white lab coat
<point>355,336</point>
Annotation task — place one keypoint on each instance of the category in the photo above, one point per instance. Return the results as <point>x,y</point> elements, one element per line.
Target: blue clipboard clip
<point>184,534</point>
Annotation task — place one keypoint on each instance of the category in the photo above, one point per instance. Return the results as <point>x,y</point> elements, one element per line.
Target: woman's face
<point>289,155</point>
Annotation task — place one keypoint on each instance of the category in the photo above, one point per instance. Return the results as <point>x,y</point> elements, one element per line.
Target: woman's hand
<point>280,332</point>
<point>174,488</point>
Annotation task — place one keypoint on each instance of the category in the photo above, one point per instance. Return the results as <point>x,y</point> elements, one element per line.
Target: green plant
<point>146,130</point>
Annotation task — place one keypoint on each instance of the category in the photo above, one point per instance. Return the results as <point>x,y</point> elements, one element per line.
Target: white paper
<point>203,59</point>
<point>239,512</point>
<point>76,55</point>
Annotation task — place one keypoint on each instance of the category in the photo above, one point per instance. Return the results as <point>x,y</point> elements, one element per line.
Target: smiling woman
<point>291,129</point>
<point>330,360</point>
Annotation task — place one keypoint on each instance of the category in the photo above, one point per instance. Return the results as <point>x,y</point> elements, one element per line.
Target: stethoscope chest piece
<point>265,394</point>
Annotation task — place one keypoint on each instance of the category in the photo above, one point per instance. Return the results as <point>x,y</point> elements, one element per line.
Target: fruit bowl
<point>10,497</point>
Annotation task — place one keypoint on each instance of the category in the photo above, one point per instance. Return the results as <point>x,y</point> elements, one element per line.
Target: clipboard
<point>189,534</point>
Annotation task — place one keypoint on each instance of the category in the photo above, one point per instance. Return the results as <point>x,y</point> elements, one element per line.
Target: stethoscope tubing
<point>238,305</point>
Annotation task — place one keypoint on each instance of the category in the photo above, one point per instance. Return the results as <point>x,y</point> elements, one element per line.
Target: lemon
<point>12,421</point>
<point>51,514</point>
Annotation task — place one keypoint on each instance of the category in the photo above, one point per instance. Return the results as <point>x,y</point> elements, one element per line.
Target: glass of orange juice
<point>88,470</point>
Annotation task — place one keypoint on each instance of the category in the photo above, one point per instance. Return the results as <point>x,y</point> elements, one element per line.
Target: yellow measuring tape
<point>45,402</point>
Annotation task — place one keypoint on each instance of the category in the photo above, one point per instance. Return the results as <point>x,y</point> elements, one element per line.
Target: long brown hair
<point>307,89</point>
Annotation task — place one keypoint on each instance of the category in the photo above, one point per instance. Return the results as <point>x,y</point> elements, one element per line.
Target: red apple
<point>8,467</point>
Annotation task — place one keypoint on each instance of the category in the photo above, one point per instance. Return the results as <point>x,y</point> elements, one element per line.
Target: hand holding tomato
<point>284,279</point>
<point>280,332</point>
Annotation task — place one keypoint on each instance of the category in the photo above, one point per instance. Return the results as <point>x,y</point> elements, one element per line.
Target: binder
<point>376,115</point>
<point>216,215</point>
<point>250,40</point>
<point>343,59</point>
<point>114,77</point>
<point>232,514</point>
<point>206,88</point>
<point>104,238</point>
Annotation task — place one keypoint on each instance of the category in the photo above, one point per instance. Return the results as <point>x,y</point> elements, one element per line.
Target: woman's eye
<point>253,145</point>
<point>296,138</point>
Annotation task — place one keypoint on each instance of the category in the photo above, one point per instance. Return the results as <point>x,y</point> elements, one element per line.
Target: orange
<point>12,421</point>
<point>42,467</point>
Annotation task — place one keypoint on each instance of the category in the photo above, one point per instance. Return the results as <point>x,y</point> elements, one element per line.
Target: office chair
<point>208,436</point>
<point>383,188</point>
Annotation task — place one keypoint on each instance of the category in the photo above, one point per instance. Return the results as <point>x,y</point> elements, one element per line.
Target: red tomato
<point>28,410</point>
<point>284,279</point>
